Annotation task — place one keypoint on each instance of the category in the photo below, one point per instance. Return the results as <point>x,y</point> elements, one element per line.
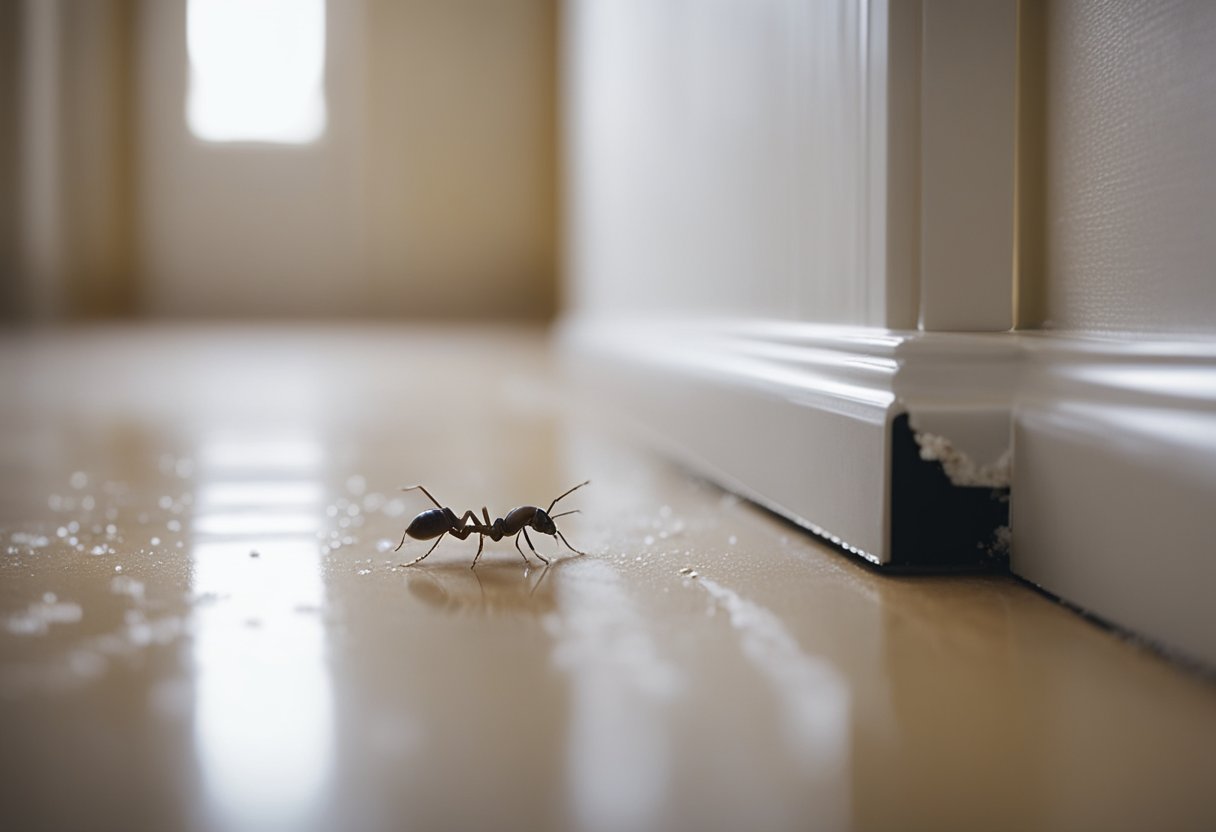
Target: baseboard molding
<point>911,449</point>
<point>888,444</point>
<point>1115,483</point>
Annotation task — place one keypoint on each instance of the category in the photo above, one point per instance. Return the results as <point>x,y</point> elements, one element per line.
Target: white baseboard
<point>1114,485</point>
<point>820,423</point>
<point>899,447</point>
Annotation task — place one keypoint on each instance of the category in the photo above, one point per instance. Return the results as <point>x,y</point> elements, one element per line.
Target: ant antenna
<point>427,493</point>
<point>555,499</point>
<point>564,513</point>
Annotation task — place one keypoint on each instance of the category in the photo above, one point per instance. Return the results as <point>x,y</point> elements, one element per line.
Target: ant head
<point>543,523</point>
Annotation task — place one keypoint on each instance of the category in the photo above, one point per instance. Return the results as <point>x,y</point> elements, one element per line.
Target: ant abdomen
<point>430,524</point>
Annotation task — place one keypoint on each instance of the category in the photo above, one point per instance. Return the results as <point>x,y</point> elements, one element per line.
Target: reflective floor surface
<point>205,627</point>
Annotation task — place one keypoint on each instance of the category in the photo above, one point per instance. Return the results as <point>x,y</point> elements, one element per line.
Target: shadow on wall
<point>9,20</point>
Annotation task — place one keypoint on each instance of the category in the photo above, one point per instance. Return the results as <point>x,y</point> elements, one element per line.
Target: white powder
<point>960,468</point>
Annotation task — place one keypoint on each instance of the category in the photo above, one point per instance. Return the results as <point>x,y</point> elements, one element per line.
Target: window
<point>256,70</point>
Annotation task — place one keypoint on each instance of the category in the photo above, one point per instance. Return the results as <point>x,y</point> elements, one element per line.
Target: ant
<point>438,521</point>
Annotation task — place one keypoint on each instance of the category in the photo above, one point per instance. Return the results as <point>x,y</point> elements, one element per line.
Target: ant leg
<point>521,551</point>
<point>543,559</point>
<point>428,551</point>
<point>494,528</point>
<point>465,518</point>
<point>481,542</point>
<point>539,581</point>
<point>402,543</point>
<point>424,491</point>
<point>568,546</point>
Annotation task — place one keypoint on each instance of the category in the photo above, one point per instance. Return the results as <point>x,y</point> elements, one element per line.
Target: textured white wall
<point>1130,165</point>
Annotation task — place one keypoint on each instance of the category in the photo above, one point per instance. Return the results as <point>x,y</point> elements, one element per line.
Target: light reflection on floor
<point>263,717</point>
<point>618,743</point>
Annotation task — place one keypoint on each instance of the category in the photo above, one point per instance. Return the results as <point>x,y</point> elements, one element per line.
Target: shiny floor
<point>205,627</point>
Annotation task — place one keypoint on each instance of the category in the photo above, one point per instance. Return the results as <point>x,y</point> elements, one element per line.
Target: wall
<point>431,194</point>
<point>96,146</point>
<point>461,149</point>
<point>1128,154</point>
<point>749,177</point>
<point>716,157</point>
<point>10,183</point>
<point>846,163</point>
<point>1114,459</point>
<point>239,228</point>
<point>71,134</point>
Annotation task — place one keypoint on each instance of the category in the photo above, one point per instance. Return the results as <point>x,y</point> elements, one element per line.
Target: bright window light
<point>256,70</point>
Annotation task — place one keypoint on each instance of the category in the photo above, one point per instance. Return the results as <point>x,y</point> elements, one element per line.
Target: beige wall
<point>10,287</point>
<point>97,136</point>
<point>722,145</point>
<point>1129,166</point>
<point>461,156</point>
<point>71,137</point>
<point>239,228</point>
<point>430,194</point>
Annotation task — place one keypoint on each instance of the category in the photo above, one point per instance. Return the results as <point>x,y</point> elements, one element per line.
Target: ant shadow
<point>494,588</point>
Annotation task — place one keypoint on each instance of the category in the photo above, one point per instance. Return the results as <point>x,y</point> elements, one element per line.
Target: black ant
<point>438,521</point>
